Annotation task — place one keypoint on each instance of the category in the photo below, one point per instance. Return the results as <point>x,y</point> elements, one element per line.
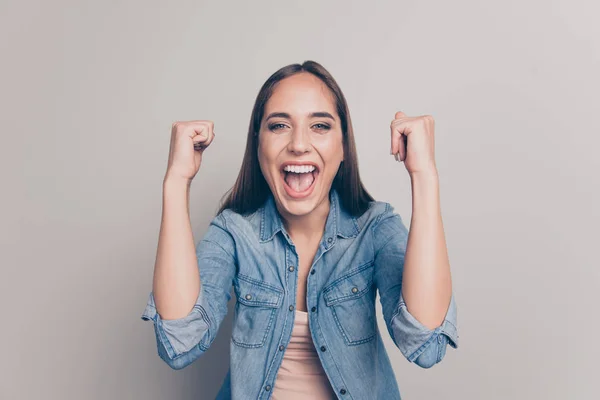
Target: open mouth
<point>299,180</point>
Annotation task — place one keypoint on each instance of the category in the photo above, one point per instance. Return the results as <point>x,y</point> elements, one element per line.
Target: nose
<point>299,141</point>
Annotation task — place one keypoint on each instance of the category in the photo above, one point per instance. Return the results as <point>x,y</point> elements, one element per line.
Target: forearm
<point>176,283</point>
<point>426,282</point>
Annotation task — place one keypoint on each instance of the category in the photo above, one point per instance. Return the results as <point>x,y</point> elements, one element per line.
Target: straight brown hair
<point>251,190</point>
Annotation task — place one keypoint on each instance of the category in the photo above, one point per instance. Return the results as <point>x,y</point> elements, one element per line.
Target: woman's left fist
<point>412,142</point>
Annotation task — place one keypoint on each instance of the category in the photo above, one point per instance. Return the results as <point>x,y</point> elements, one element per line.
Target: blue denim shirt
<point>356,256</point>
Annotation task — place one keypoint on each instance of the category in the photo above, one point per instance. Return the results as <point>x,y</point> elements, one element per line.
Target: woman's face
<point>300,143</point>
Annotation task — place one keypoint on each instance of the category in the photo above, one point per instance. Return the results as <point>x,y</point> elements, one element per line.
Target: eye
<point>324,127</point>
<point>275,127</point>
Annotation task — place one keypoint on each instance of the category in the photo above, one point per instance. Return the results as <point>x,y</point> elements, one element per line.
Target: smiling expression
<point>300,134</point>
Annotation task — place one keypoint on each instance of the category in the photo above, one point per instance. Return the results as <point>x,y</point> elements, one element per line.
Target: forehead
<point>300,94</point>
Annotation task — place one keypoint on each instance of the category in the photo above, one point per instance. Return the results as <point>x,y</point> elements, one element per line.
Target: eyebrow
<point>318,114</point>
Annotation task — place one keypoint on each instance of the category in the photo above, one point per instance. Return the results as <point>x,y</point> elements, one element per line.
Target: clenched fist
<point>189,139</point>
<point>413,142</point>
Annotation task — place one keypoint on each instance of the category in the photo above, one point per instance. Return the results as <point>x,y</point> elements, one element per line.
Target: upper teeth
<point>299,169</point>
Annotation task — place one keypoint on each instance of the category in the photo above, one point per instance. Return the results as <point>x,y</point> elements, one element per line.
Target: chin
<point>299,208</point>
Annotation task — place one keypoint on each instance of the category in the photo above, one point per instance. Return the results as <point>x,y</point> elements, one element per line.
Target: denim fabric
<point>357,256</point>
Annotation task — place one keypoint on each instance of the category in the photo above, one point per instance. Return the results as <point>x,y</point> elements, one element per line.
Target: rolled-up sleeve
<point>418,343</point>
<point>181,341</point>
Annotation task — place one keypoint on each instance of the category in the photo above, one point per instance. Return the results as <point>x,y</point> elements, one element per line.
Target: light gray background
<point>88,94</point>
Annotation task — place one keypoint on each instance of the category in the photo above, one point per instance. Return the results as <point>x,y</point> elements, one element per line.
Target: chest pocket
<point>351,299</point>
<point>255,310</point>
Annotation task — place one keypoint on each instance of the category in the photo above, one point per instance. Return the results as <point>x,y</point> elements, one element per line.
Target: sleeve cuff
<point>413,338</point>
<point>178,336</point>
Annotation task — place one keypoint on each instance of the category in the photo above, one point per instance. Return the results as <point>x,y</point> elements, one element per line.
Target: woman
<point>305,248</point>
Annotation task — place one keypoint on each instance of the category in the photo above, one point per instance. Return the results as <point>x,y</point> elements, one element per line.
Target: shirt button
<point>354,289</point>
<point>323,348</point>
<point>268,387</point>
<point>281,347</point>
<point>292,307</point>
<point>312,272</point>
<point>313,309</point>
<point>248,296</point>
<point>291,268</point>
<point>329,240</point>
<point>343,391</point>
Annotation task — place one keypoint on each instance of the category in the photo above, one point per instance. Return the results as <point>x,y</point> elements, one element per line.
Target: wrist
<point>172,181</point>
<point>430,174</point>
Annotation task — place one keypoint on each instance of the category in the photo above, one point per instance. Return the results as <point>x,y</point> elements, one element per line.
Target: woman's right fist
<point>189,139</point>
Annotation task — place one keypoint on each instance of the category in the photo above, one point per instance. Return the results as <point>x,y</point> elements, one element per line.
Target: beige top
<point>301,375</point>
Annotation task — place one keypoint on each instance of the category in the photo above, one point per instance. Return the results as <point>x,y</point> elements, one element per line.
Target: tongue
<point>299,182</point>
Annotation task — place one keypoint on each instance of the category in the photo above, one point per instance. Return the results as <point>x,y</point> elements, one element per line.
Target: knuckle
<point>178,125</point>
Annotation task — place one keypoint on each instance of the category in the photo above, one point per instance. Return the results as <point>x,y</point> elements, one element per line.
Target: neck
<point>309,226</point>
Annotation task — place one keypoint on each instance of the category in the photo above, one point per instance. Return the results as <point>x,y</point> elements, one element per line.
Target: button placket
<point>291,262</point>
<point>311,283</point>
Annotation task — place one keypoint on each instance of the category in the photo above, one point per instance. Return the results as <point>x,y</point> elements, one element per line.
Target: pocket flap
<point>350,286</point>
<point>252,292</point>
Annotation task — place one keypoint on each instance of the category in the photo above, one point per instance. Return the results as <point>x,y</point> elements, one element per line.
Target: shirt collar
<point>339,221</point>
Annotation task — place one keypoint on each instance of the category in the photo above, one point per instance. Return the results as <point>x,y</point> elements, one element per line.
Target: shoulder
<point>234,222</point>
<point>377,212</point>
<point>382,220</point>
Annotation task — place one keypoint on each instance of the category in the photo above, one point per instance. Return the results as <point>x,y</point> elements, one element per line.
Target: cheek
<point>262,161</point>
<point>267,147</point>
<point>332,150</point>
<point>264,153</point>
<point>267,159</point>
